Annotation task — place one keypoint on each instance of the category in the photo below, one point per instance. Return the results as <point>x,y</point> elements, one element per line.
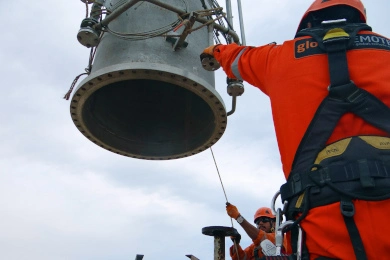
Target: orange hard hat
<point>263,212</point>
<point>322,4</point>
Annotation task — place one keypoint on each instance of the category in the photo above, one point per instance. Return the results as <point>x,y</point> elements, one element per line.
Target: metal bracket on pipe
<point>188,23</point>
<point>234,88</point>
<point>115,14</point>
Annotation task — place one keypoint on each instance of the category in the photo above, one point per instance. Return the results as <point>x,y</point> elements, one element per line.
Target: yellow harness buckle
<point>335,33</point>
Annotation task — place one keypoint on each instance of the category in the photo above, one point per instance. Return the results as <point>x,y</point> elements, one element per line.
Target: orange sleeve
<point>252,62</point>
<point>225,55</point>
<point>263,235</point>
<point>233,254</point>
<point>247,252</point>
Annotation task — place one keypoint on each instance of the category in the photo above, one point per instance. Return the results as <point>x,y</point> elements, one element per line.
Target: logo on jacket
<point>308,47</point>
<point>370,41</point>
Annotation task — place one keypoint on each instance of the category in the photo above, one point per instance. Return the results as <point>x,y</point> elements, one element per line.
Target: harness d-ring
<point>273,202</point>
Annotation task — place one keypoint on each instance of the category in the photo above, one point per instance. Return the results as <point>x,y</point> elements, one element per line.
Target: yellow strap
<point>379,142</point>
<point>332,150</point>
<point>335,33</point>
<point>300,200</point>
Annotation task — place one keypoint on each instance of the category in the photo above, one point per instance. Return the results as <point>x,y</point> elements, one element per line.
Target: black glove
<point>236,239</point>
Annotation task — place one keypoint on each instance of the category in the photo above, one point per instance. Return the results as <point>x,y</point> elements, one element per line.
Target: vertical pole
<point>229,15</point>
<point>219,234</point>
<point>242,30</point>
<point>219,248</point>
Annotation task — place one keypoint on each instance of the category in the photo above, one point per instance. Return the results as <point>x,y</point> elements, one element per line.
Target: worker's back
<point>296,78</point>
<point>339,162</point>
<point>295,75</point>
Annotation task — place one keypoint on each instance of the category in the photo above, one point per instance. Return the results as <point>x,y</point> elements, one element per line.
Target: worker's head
<point>323,10</point>
<point>264,219</point>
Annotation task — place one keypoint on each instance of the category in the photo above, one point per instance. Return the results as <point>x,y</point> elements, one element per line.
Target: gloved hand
<point>207,59</point>
<point>232,210</point>
<point>236,239</point>
<point>209,51</point>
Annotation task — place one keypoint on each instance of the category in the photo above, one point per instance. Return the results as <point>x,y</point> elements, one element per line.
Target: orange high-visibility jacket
<point>295,76</point>
<point>247,253</point>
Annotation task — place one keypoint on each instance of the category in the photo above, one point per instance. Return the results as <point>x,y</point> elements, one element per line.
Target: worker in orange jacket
<point>265,229</point>
<point>330,97</point>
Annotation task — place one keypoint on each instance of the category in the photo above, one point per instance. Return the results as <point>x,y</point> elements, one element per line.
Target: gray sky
<point>63,197</point>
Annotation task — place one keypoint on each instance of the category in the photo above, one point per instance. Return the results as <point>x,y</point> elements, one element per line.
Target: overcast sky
<point>63,197</point>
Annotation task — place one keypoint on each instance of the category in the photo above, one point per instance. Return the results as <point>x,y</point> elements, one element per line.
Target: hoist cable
<point>224,192</point>
<point>219,175</point>
<point>137,36</point>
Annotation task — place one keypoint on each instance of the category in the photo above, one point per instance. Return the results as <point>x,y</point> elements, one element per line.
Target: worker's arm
<point>246,253</point>
<point>255,234</point>
<point>215,52</point>
<point>243,62</point>
<point>233,253</point>
<point>251,230</point>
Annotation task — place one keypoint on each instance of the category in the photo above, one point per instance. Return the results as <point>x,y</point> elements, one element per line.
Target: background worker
<point>265,229</point>
<point>308,83</point>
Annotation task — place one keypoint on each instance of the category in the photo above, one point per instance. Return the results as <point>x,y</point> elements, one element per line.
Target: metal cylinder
<point>144,99</point>
<point>219,248</point>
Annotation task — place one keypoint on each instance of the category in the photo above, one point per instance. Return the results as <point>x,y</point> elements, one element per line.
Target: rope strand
<point>219,175</point>
<point>67,95</point>
<point>224,192</point>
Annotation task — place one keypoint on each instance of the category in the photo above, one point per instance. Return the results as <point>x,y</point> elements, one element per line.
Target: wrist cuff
<point>240,219</point>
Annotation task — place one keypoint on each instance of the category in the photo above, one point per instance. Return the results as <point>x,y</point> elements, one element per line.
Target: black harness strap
<point>348,210</point>
<point>277,258</point>
<point>343,178</point>
<point>337,49</point>
<point>256,253</point>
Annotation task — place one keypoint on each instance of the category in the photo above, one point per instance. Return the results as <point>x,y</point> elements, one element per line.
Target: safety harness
<point>353,168</point>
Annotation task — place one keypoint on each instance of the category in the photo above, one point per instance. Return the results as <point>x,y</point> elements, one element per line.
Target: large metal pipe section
<point>143,99</point>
